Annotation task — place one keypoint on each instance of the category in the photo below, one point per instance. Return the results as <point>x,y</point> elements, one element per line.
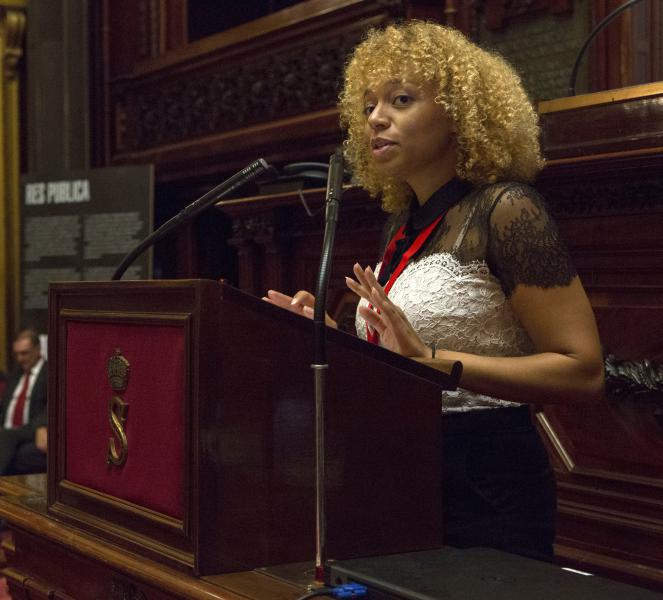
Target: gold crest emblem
<point>118,371</point>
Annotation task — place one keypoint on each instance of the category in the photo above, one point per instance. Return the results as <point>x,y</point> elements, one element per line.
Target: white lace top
<point>461,308</point>
<point>451,296</point>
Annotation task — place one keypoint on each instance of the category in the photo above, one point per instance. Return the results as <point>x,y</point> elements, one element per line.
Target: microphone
<point>335,179</point>
<point>248,173</point>
<point>332,199</point>
<point>319,366</point>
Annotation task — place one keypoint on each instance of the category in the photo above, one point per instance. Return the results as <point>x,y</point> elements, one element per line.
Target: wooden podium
<point>181,428</point>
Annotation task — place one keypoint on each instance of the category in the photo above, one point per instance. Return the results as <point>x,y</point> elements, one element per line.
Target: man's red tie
<point>17,419</point>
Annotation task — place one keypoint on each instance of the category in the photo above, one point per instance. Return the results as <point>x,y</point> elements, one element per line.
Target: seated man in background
<point>23,413</point>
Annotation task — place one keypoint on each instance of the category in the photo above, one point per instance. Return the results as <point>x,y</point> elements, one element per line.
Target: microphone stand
<point>319,366</point>
<point>223,189</point>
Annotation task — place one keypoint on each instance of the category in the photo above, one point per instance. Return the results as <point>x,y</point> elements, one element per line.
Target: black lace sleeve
<point>524,246</point>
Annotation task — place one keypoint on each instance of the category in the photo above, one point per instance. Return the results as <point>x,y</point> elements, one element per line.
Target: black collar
<point>421,217</point>
<point>441,201</point>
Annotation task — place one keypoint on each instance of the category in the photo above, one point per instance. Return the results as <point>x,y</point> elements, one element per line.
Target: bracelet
<point>433,348</point>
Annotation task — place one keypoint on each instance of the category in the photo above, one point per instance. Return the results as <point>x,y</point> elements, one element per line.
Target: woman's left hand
<point>302,303</point>
<point>387,319</point>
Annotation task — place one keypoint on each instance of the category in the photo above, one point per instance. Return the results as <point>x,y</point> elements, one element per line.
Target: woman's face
<point>409,135</point>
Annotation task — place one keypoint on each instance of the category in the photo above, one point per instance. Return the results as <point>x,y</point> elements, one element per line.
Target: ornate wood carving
<point>604,153</point>
<point>278,242</point>
<point>620,192</point>
<point>125,590</point>
<point>235,93</point>
<point>13,28</point>
<point>296,80</point>
<point>253,227</point>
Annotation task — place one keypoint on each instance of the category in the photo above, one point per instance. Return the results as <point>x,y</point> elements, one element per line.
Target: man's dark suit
<point>18,453</point>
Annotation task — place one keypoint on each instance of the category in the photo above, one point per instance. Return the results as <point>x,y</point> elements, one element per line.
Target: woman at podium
<point>472,269</point>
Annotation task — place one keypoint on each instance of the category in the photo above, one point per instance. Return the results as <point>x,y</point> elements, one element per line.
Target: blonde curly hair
<point>497,132</point>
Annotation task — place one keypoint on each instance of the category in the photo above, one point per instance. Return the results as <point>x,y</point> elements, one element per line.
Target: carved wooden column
<point>57,101</point>
<point>12,26</point>
<point>250,233</point>
<point>627,52</point>
<point>278,239</point>
<point>276,264</point>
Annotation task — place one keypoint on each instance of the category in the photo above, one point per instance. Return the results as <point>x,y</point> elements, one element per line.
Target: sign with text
<point>77,226</point>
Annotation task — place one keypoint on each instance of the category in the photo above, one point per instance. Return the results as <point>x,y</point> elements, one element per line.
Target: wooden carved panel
<point>609,455</point>
<point>231,95</point>
<point>267,88</point>
<point>125,590</point>
<point>606,191</point>
<point>278,243</point>
<point>623,123</point>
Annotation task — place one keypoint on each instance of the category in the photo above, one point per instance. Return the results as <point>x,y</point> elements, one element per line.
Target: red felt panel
<point>153,474</point>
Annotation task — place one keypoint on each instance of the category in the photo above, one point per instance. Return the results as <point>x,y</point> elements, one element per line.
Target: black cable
<point>604,22</point>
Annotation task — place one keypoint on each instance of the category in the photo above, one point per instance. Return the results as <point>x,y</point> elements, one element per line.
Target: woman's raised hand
<point>387,319</point>
<point>301,303</point>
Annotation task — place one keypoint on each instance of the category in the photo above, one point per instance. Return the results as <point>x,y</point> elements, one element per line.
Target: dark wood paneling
<point>610,51</point>
<point>121,19</point>
<point>499,11</point>
<point>604,184</point>
<point>279,243</point>
<point>605,122</point>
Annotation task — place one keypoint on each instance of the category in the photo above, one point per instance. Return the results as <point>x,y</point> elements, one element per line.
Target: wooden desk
<point>49,560</point>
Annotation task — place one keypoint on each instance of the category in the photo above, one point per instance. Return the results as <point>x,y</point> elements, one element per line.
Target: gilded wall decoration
<point>12,29</point>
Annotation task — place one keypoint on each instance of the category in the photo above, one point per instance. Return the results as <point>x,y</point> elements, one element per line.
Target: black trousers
<point>18,453</point>
<point>498,486</point>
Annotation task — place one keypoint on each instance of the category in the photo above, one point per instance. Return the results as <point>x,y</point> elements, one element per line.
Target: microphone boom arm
<point>223,189</point>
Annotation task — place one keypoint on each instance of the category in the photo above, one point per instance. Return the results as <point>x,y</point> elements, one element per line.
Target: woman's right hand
<point>301,303</point>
